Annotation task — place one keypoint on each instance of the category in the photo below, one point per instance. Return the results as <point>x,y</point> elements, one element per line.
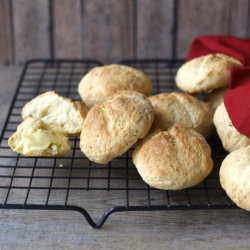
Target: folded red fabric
<point>229,45</point>
<point>237,98</point>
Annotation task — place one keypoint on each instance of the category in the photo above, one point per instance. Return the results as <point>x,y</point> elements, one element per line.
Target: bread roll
<point>172,160</point>
<point>216,97</point>
<point>172,108</point>
<point>53,109</point>
<point>102,82</point>
<point>230,137</point>
<point>206,73</point>
<point>235,176</point>
<point>112,127</point>
<point>35,138</point>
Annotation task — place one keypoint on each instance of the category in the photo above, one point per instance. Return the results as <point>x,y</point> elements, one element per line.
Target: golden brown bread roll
<point>102,82</point>
<point>216,97</point>
<point>112,127</point>
<point>172,108</point>
<point>35,138</point>
<point>230,137</point>
<point>235,176</point>
<point>206,73</point>
<point>175,159</point>
<point>56,110</point>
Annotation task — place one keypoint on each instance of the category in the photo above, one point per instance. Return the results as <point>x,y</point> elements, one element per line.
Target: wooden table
<point>22,229</point>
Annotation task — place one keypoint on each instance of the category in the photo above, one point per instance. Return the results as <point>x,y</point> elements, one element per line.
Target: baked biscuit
<point>172,160</point>
<point>102,82</point>
<point>56,110</point>
<point>35,138</point>
<point>206,73</point>
<point>172,108</point>
<point>235,175</point>
<point>216,97</point>
<point>112,127</point>
<point>230,137</point>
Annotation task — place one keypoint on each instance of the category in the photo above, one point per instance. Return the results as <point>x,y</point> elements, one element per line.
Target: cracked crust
<point>102,82</point>
<point>230,137</point>
<point>172,108</point>
<point>206,73</point>
<point>112,127</point>
<point>56,110</point>
<point>235,175</point>
<point>172,160</point>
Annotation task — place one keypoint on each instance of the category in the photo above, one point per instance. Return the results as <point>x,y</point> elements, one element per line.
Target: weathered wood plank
<point>67,34</point>
<point>9,76</point>
<point>198,18</point>
<point>31,29</point>
<point>5,33</point>
<point>154,28</point>
<point>128,230</point>
<point>108,30</point>
<point>239,22</point>
<point>248,20</point>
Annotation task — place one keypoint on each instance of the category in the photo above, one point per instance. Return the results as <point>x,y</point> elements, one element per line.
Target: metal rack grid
<point>41,183</point>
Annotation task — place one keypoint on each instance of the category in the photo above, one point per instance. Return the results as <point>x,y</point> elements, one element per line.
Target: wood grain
<point>5,33</point>
<point>67,33</point>
<point>8,81</point>
<point>104,29</point>
<point>210,17</point>
<point>129,230</point>
<point>31,29</point>
<point>198,18</point>
<point>108,30</point>
<point>239,22</point>
<point>154,27</point>
<point>248,26</point>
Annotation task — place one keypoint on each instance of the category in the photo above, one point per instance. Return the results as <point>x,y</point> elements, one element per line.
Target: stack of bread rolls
<point>234,171</point>
<point>169,129</point>
<point>211,73</point>
<point>164,156</point>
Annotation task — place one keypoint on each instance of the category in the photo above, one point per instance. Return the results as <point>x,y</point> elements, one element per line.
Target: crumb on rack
<point>61,165</point>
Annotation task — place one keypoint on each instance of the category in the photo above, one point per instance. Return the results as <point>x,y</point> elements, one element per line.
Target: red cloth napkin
<point>237,98</point>
<point>229,45</point>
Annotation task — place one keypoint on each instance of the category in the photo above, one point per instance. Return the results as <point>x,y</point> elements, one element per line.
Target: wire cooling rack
<point>73,182</point>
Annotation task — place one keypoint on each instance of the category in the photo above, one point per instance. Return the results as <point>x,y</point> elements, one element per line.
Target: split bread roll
<point>172,160</point>
<point>56,110</point>
<point>35,138</point>
<point>102,82</point>
<point>172,108</point>
<point>112,127</point>
<point>235,175</point>
<point>216,97</point>
<point>230,137</point>
<point>206,73</point>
